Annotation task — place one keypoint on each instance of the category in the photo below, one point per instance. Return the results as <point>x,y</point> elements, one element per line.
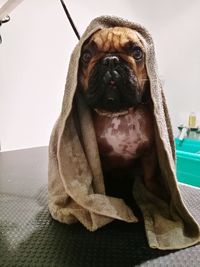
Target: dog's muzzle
<point>111,76</point>
<point>112,85</point>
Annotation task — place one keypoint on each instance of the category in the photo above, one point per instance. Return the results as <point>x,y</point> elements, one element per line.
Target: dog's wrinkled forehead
<point>115,39</point>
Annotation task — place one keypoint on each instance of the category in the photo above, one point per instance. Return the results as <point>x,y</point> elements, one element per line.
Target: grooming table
<point>30,237</point>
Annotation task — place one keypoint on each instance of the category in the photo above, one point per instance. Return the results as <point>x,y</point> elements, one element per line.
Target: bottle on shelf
<point>192,120</point>
<point>192,126</point>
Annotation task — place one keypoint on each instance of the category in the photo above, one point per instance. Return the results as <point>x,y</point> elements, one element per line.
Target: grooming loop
<point>70,19</point>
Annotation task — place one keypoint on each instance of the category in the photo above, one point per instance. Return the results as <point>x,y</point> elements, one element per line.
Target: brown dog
<point>113,77</point>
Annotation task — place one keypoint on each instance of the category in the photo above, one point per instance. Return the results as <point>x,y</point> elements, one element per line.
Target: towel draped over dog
<point>76,185</point>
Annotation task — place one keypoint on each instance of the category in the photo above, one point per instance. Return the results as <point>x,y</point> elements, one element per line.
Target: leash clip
<point>3,21</point>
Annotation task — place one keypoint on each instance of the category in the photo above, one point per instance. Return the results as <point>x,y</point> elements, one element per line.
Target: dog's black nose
<point>111,61</point>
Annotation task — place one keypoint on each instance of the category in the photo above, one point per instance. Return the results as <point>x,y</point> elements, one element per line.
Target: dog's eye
<point>137,53</point>
<point>86,56</point>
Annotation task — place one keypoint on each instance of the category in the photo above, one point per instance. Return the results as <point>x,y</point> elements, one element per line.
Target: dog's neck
<point>113,114</point>
<point>123,112</point>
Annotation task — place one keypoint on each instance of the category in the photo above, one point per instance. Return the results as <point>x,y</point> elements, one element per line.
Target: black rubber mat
<point>30,237</point>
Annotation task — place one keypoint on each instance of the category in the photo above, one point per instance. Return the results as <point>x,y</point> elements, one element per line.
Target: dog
<point>114,81</point>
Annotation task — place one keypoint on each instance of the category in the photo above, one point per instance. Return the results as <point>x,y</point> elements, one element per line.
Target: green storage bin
<point>188,161</point>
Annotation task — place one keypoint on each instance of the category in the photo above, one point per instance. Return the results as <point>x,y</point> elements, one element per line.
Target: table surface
<point>30,237</point>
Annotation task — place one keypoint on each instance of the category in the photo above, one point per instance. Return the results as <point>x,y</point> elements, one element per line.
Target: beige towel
<point>76,186</point>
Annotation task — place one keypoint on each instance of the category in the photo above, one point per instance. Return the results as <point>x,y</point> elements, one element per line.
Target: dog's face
<point>112,70</point>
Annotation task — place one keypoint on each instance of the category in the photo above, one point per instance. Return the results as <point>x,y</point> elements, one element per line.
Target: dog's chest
<point>123,138</point>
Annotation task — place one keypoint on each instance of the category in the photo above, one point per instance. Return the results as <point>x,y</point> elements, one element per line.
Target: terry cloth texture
<point>76,185</point>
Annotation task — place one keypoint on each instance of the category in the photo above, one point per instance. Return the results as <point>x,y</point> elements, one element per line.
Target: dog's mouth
<point>112,85</point>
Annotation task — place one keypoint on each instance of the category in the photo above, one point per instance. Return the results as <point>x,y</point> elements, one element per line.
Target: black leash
<point>70,19</point>
<point>7,18</point>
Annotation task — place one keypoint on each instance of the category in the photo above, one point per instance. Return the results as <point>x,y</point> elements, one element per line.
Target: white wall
<point>37,43</point>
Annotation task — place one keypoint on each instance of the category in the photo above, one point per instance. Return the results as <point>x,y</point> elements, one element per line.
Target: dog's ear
<point>147,94</point>
<point>85,43</point>
<point>88,42</point>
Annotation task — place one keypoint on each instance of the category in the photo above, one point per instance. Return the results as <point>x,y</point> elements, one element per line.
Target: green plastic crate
<point>188,161</point>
